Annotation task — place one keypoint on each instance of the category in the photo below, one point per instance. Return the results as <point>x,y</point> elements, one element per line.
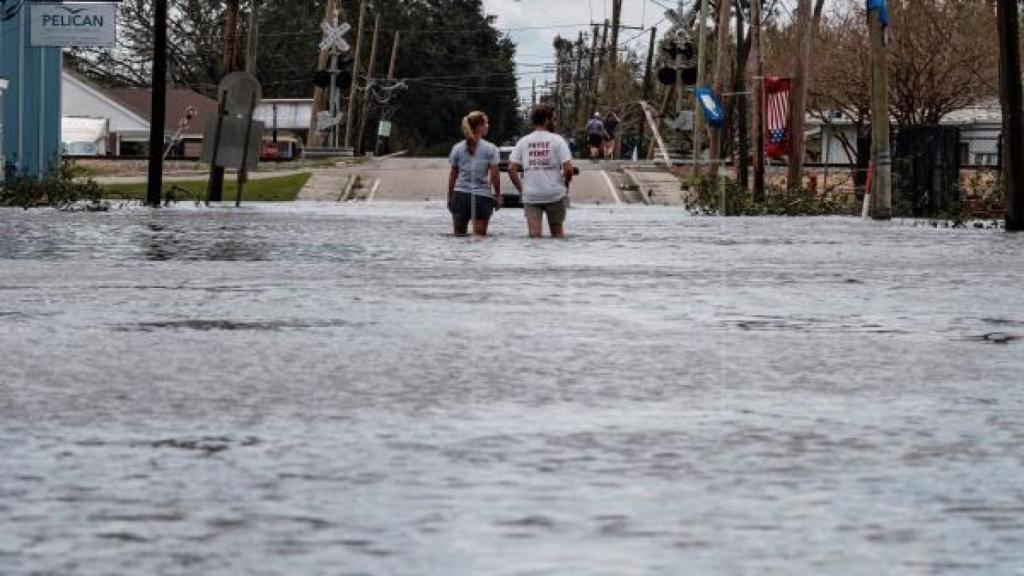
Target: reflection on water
<point>314,389</point>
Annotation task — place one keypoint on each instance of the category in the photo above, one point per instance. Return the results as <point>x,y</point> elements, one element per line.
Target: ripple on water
<point>314,389</point>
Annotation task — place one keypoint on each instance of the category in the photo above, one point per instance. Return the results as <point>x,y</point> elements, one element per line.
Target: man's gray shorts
<point>556,211</point>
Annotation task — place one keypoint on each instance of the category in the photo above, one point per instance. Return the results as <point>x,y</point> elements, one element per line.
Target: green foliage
<point>778,201</point>
<point>451,58</point>
<point>57,188</point>
<point>283,189</point>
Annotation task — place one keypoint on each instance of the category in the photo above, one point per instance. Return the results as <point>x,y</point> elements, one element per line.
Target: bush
<point>57,187</point>
<point>778,201</point>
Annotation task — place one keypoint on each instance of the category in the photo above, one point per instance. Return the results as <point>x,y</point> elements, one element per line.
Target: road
<point>398,179</point>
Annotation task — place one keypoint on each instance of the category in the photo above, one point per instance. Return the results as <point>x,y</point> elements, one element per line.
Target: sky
<point>549,18</point>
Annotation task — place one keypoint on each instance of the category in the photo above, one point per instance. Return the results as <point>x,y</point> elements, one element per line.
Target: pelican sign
<point>67,25</point>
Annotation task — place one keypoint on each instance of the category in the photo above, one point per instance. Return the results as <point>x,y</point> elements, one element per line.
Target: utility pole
<point>1008,17</point>
<point>216,184</point>
<point>533,93</point>
<point>742,173</point>
<point>154,189</point>
<point>320,95</point>
<point>600,64</point>
<point>592,75</point>
<point>252,45</point>
<point>648,84</point>
<point>758,115</point>
<point>231,36</point>
<point>393,64</point>
<point>392,71</point>
<point>881,161</point>
<point>558,84</point>
<point>721,69</point>
<point>702,77</point>
<point>371,69</point>
<point>353,92</point>
<point>577,89</point>
<point>798,98</point>
<point>616,23</point>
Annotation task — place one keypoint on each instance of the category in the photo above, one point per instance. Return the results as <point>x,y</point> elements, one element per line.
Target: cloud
<point>534,24</point>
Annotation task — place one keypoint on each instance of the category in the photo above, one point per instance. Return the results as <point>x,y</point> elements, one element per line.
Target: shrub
<point>57,187</point>
<point>739,201</point>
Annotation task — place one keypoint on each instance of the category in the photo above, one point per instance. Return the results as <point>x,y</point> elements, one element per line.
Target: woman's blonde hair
<point>470,124</point>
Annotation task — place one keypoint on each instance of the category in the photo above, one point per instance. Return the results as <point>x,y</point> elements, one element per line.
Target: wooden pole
<point>702,79</point>
<point>577,92</point>
<point>881,161</point>
<point>393,64</point>
<point>758,115</point>
<point>591,78</point>
<point>231,36</point>
<point>353,91</point>
<point>742,172</point>
<point>721,69</point>
<point>154,189</point>
<point>371,69</point>
<point>216,181</point>
<point>600,65</point>
<point>798,97</point>
<point>616,23</point>
<point>320,95</point>
<point>1008,17</point>
<point>252,50</point>
<point>648,80</point>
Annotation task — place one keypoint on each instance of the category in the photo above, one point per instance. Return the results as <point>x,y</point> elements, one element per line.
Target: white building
<point>101,121</point>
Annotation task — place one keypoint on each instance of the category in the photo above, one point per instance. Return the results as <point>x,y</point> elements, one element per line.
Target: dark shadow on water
<point>206,325</point>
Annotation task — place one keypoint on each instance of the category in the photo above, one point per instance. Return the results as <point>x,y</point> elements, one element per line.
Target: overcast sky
<point>568,18</point>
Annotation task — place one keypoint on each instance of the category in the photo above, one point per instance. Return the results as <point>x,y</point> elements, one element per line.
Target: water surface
<point>313,389</point>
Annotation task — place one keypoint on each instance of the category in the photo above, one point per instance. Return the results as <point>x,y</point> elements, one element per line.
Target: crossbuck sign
<point>334,37</point>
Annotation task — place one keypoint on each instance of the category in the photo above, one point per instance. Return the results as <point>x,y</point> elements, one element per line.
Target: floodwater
<point>312,389</point>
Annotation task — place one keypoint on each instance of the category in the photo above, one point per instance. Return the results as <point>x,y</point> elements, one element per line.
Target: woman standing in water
<point>474,185</point>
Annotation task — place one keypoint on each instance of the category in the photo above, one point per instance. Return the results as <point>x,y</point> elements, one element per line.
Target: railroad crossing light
<point>322,78</point>
<point>687,50</point>
<point>690,76</point>
<point>667,75</point>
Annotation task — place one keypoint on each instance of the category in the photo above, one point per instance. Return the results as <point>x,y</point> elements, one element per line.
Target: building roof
<point>139,101</point>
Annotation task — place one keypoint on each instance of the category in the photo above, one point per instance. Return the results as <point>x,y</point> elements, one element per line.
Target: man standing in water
<point>548,163</point>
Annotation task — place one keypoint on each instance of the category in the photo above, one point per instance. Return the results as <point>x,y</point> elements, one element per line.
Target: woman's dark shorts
<point>461,206</point>
<point>595,140</point>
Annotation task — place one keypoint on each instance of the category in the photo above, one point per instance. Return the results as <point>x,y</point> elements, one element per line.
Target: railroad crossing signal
<point>334,37</point>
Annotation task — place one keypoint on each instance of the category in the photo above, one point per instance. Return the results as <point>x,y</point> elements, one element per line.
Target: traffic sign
<point>334,40</point>
<point>240,89</point>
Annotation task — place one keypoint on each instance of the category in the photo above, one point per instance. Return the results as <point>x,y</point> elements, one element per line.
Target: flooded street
<point>345,390</point>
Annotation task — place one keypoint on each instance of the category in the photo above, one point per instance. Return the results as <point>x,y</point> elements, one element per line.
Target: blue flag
<point>883,16</point>
<point>712,107</point>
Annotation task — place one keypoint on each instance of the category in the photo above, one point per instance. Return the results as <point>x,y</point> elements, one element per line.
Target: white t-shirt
<point>542,154</point>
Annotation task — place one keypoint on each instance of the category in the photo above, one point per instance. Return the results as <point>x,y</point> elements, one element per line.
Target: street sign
<point>712,107</point>
<point>384,129</point>
<point>240,88</point>
<point>74,25</point>
<point>681,123</point>
<point>232,141</point>
<point>334,40</point>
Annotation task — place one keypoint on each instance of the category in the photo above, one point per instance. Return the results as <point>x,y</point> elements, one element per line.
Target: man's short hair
<point>541,113</point>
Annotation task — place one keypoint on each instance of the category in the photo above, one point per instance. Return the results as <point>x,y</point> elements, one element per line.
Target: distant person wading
<point>474,185</point>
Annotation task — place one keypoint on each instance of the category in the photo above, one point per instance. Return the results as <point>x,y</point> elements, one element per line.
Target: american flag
<point>776,92</point>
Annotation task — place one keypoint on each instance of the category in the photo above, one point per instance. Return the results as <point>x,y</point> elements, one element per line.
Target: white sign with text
<point>67,25</point>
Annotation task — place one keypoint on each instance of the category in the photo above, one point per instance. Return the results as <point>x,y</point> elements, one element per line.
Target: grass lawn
<point>283,189</point>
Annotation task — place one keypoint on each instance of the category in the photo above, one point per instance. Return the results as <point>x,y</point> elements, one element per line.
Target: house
<point>979,125</point>
<point>287,126</point>
<point>100,121</point>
